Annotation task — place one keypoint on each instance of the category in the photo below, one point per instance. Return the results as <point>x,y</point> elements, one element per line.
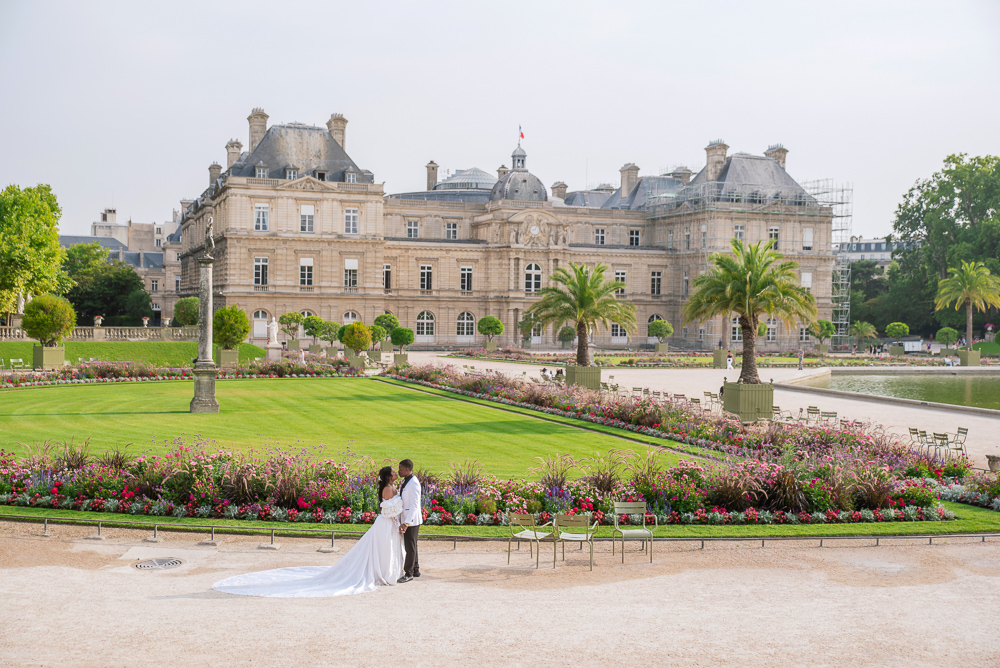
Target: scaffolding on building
<point>821,199</point>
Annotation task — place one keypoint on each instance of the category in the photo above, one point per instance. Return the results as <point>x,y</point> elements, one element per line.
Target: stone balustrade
<point>112,334</point>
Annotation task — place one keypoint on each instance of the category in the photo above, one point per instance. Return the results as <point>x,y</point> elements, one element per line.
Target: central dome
<point>519,184</point>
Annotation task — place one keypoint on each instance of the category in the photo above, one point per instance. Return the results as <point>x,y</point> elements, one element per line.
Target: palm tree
<point>863,330</point>
<point>581,296</point>
<point>754,280</point>
<point>972,286</point>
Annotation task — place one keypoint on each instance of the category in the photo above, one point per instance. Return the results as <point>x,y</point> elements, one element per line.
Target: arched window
<point>307,313</point>
<point>350,317</point>
<point>736,334</point>
<point>466,324</point>
<point>260,315</point>
<point>260,319</point>
<point>653,318</point>
<point>425,324</point>
<point>154,306</point>
<point>532,278</point>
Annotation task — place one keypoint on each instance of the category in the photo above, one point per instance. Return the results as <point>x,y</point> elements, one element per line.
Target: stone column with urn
<point>204,367</point>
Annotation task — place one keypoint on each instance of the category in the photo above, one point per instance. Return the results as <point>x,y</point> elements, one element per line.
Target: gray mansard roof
<point>755,176</point>
<point>108,242</point>
<point>593,199</point>
<point>306,147</point>
<point>646,189</point>
<point>477,196</point>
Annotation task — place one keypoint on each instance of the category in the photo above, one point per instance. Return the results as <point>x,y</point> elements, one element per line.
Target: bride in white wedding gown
<point>376,559</point>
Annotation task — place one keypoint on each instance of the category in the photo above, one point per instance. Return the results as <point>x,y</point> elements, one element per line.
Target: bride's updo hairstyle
<point>384,474</point>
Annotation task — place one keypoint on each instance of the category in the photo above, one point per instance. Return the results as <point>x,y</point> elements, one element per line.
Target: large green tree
<point>973,286</point>
<point>581,296</point>
<point>752,281</point>
<point>109,289</point>
<point>30,254</point>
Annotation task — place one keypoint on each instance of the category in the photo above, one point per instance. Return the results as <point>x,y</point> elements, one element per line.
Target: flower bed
<point>981,490</point>
<point>296,487</point>
<point>121,372</point>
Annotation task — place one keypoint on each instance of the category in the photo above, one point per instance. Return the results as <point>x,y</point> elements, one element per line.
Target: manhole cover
<point>158,564</point>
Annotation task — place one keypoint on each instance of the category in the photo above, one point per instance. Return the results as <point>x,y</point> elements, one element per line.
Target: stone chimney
<point>559,189</point>
<point>337,125</point>
<point>233,150</point>
<point>258,126</point>
<point>715,154</point>
<point>777,152</point>
<point>682,174</point>
<point>502,171</point>
<point>213,172</point>
<point>432,175</point>
<point>630,176</point>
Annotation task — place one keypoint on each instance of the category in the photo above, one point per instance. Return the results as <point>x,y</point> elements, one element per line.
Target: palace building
<point>300,226</point>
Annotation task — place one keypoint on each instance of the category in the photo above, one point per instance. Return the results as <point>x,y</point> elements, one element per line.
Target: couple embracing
<point>385,555</point>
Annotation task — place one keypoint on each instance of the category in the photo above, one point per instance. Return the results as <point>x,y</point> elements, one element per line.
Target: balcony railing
<point>305,288</point>
<point>350,290</point>
<point>426,293</point>
<point>386,291</point>
<point>261,288</point>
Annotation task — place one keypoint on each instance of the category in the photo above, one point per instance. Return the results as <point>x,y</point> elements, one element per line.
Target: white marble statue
<point>272,331</point>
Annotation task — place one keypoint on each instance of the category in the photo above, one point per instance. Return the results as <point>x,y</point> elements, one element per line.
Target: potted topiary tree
<point>402,337</point>
<point>896,331</point>
<point>752,281</point>
<point>329,333</point>
<point>291,324</point>
<point>490,326</point>
<point>388,322</point>
<point>661,329</point>
<point>947,336</point>
<point>822,330</point>
<point>313,326</point>
<point>186,312</point>
<point>526,327</point>
<point>48,319</point>
<point>566,335</point>
<point>230,327</point>
<point>378,335</point>
<point>356,337</point>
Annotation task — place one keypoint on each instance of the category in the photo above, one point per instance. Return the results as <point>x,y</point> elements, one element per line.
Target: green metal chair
<point>529,531</point>
<point>957,442</point>
<point>573,529</point>
<point>642,533</point>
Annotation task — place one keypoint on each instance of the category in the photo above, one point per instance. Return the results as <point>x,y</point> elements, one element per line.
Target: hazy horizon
<point>127,105</point>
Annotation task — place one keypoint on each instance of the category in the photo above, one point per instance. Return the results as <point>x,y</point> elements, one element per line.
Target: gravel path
<point>71,601</point>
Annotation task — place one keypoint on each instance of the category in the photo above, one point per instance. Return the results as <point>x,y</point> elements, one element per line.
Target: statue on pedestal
<point>272,331</point>
<point>20,302</point>
<point>209,239</point>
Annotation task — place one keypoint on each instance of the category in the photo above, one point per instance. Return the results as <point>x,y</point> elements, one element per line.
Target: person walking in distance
<point>410,520</point>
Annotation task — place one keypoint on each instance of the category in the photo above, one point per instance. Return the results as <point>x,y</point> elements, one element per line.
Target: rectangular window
<point>305,272</point>
<point>655,283</point>
<point>159,243</point>
<point>618,332</point>
<point>685,284</point>
<point>684,332</point>
<point>306,215</point>
<point>599,237</point>
<point>736,333</point>
<point>426,277</point>
<point>350,221</point>
<point>772,330</point>
<point>261,172</point>
<point>177,283</point>
<point>807,238</point>
<point>704,236</point>
<point>620,278</point>
<point>465,279</point>
<point>412,229</point>
<point>351,177</point>
<point>633,237</point>
<point>291,174</point>
<point>772,234</point>
<point>739,232</point>
<point>260,271</point>
<point>451,230</point>
<point>261,213</point>
<point>154,286</point>
<point>321,176</point>
<point>862,256</point>
<point>387,277</point>
<point>350,273</point>
<point>803,334</point>
<point>687,238</point>
<point>807,280</point>
<point>701,333</point>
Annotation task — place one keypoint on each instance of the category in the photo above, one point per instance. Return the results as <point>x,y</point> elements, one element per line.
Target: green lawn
<point>159,353</point>
<point>970,519</point>
<point>368,416</point>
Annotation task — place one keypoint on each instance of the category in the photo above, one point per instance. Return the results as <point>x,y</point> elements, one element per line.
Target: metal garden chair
<point>642,533</point>
<point>530,531</point>
<point>957,442</point>
<point>573,529</point>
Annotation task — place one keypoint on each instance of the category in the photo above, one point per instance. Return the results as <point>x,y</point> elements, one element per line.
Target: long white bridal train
<point>376,560</point>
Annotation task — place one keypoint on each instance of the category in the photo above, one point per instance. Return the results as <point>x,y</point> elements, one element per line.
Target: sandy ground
<point>694,382</point>
<point>71,601</point>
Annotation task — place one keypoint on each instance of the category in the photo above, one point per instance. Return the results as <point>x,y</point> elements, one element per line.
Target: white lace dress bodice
<point>375,560</point>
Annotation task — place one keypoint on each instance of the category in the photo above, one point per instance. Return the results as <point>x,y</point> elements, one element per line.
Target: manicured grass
<point>970,520</point>
<point>158,353</point>
<point>367,416</point>
<point>987,347</point>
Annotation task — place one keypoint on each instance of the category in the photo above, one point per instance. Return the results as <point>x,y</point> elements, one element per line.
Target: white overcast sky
<point>130,102</point>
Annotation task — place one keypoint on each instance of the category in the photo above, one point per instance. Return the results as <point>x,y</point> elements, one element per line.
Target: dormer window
<point>321,176</point>
<point>351,177</point>
<point>261,172</point>
<point>291,174</point>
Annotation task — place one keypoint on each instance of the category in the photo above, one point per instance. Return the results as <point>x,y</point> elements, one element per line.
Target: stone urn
<point>993,461</point>
<point>145,321</point>
<point>98,319</point>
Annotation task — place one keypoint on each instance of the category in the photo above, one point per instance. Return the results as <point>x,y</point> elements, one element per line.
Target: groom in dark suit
<point>410,520</point>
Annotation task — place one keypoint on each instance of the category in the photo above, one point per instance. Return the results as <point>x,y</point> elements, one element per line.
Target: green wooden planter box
<point>897,351</point>
<point>490,346</point>
<point>294,344</point>
<point>49,358</point>
<point>567,345</point>
<point>750,402</point>
<point>315,348</point>
<point>401,359</point>
<point>227,359</point>
<point>526,343</point>
<point>584,376</point>
<point>662,347</point>
<point>968,357</point>
<point>718,358</point>
<point>822,348</point>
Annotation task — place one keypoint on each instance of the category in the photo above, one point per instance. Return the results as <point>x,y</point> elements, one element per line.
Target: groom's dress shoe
<point>405,578</point>
<point>417,574</point>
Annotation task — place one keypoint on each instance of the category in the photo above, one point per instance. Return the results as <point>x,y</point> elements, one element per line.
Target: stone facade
<point>299,227</point>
